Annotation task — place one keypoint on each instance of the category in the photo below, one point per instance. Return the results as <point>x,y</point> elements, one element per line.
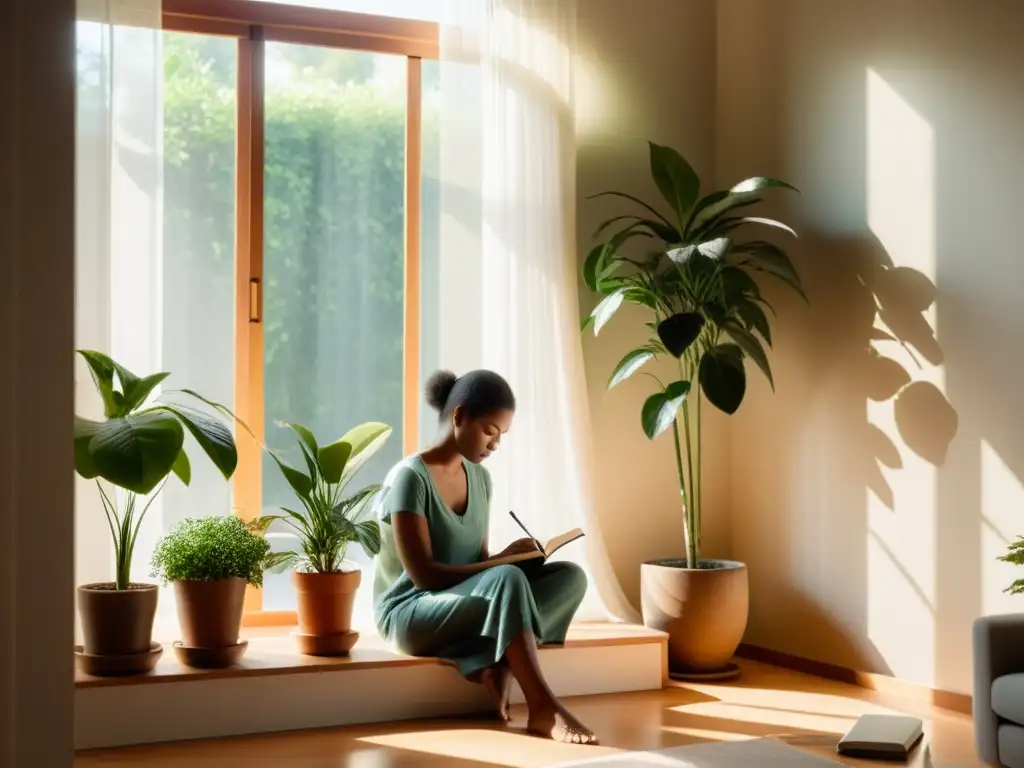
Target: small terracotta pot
<point>704,611</point>
<point>117,622</point>
<point>325,601</point>
<point>210,612</point>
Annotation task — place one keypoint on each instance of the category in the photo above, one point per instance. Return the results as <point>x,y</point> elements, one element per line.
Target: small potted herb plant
<point>210,561</point>
<point>329,522</point>
<point>131,454</point>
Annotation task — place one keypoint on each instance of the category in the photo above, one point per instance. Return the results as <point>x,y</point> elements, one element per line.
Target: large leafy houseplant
<point>329,521</point>
<point>695,277</point>
<point>137,447</point>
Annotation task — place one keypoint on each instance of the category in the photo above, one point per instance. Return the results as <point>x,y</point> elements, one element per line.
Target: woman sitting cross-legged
<point>438,591</point>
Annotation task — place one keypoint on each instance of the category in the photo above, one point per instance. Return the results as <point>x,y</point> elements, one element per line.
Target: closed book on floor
<point>882,737</point>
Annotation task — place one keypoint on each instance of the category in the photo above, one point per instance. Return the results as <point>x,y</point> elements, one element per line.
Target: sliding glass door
<point>333,262</point>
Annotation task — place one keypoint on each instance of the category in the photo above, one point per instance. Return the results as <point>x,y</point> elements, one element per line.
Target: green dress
<point>473,622</point>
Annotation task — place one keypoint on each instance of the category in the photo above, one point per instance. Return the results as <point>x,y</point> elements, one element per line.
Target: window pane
<point>199,245</point>
<point>154,247</point>
<point>423,10</point>
<point>333,263</point>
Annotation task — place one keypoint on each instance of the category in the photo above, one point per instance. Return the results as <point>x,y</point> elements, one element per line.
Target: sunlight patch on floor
<point>502,747</point>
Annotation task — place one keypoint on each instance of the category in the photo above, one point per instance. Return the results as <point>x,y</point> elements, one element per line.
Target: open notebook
<point>544,551</point>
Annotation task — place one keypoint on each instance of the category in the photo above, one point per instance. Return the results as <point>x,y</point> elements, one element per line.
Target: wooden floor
<point>803,711</point>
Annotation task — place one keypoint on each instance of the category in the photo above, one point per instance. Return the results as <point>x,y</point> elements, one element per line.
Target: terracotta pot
<point>210,612</point>
<point>325,601</point>
<point>704,611</point>
<point>117,622</point>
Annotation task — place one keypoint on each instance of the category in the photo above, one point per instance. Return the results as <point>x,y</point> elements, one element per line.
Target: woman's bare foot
<point>497,681</point>
<point>555,722</point>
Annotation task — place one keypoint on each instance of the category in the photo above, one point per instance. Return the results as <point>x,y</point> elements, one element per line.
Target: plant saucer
<point>119,665</point>
<point>210,658</point>
<point>338,644</point>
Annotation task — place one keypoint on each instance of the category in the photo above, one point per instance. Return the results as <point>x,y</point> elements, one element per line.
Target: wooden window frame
<point>254,23</point>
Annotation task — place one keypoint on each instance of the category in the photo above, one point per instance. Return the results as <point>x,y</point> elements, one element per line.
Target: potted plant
<point>210,561</point>
<point>134,450</point>
<point>1015,555</point>
<point>329,522</point>
<point>708,316</point>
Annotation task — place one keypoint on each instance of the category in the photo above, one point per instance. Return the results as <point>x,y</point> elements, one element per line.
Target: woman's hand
<point>517,547</point>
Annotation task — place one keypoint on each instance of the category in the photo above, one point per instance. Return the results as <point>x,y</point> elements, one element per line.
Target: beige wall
<point>636,82</point>
<point>870,530</point>
<point>36,335</point>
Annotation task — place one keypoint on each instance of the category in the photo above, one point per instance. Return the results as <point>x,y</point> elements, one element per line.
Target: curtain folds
<point>505,270</point>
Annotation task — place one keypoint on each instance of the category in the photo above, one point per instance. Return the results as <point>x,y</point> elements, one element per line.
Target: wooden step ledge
<point>277,689</point>
<point>272,651</point>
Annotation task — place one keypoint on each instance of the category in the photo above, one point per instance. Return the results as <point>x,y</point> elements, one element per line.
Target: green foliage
<point>334,224</point>
<point>329,521</point>
<point>211,548</point>
<point>137,447</point>
<point>1015,555</point>
<point>708,310</point>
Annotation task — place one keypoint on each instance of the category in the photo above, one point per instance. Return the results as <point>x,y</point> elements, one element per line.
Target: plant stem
<point>687,528</point>
<point>700,478</point>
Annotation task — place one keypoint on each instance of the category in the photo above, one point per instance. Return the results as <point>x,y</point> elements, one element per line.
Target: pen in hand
<point>540,547</point>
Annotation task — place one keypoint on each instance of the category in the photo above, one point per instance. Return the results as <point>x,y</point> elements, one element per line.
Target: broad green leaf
<point>297,520</point>
<point>723,378</point>
<point>102,369</point>
<point>137,393</point>
<point>665,231</point>
<point>183,468</point>
<point>84,432</point>
<point>710,208</point>
<point>261,524</point>
<point>741,220</point>
<point>641,296</point>
<point>659,411</point>
<point>225,411</point>
<point>368,536</point>
<point>137,452</point>
<point>585,323</point>
<point>279,562</point>
<point>712,249</point>
<point>304,435</point>
<point>757,183</point>
<point>768,257</point>
<point>312,463</point>
<point>366,440</point>
<point>333,459</point>
<point>592,266</point>
<point>717,203</point>
<point>609,306</point>
<point>738,285</point>
<point>755,318</point>
<point>751,347</point>
<point>638,201</point>
<point>678,332</point>
<point>629,365</point>
<point>213,437</point>
<point>300,482</point>
<point>676,180</point>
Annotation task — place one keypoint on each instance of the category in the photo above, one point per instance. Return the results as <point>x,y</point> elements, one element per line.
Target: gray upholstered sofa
<point>999,689</point>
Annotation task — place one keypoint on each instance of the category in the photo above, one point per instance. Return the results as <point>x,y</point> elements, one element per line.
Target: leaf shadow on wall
<point>890,306</point>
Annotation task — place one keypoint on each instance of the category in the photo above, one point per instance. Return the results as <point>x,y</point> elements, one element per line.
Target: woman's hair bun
<point>439,387</point>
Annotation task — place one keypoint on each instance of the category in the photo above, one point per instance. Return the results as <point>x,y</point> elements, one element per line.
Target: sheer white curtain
<point>505,273</point>
<point>149,313</point>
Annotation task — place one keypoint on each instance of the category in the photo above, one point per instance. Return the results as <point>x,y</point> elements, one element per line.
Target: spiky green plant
<point>330,521</point>
<point>708,312</point>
